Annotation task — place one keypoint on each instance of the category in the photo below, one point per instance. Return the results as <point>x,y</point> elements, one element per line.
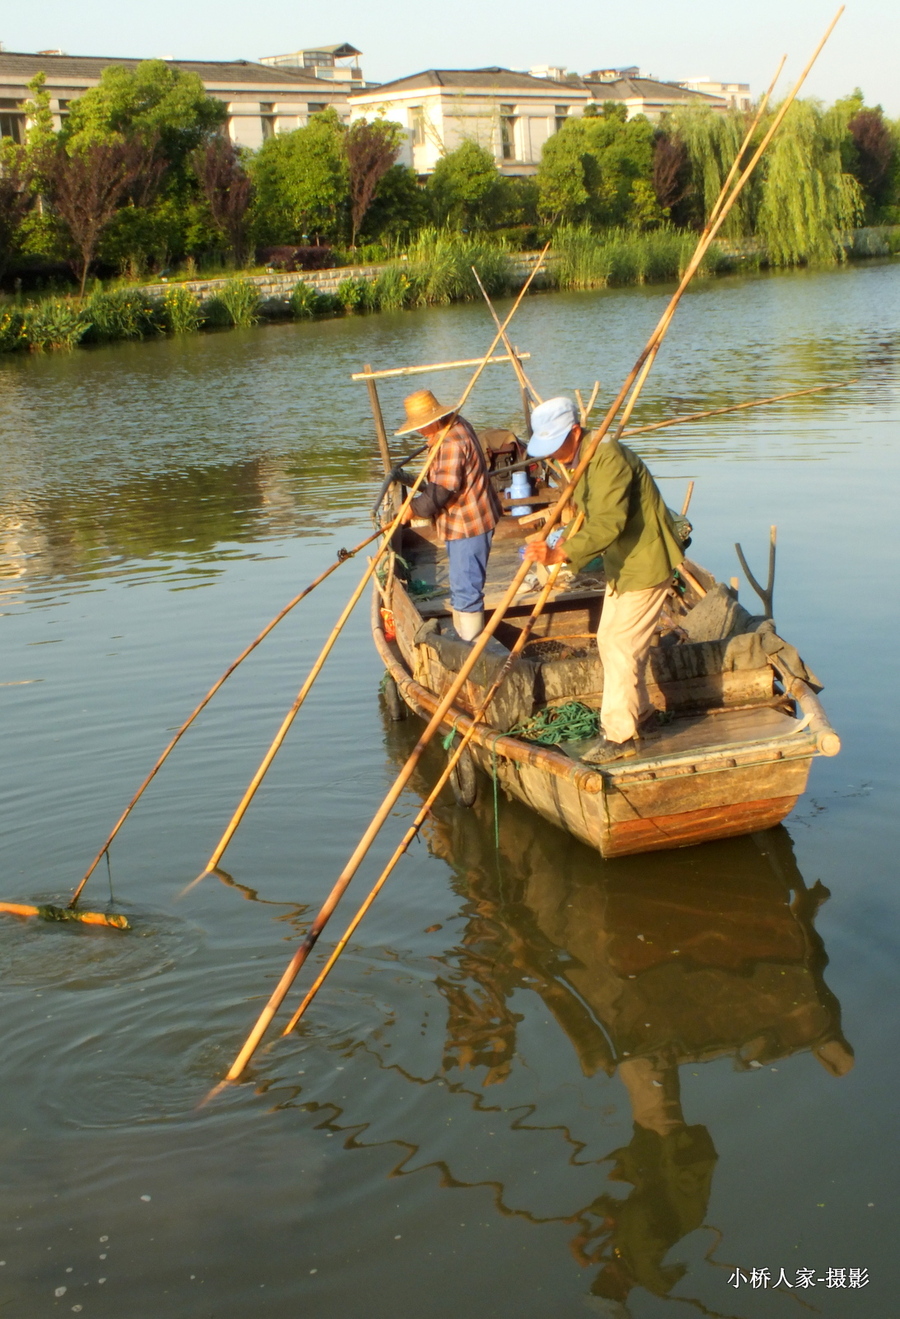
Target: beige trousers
<point>626,629</point>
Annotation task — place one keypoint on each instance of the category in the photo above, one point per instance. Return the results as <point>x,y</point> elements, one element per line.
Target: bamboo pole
<point>277,741</point>
<point>734,407</point>
<point>491,625</point>
<point>380,432</point>
<point>396,371</point>
<point>724,203</point>
<point>586,411</point>
<point>525,384</point>
<point>519,645</point>
<point>687,499</point>
<point>343,556</point>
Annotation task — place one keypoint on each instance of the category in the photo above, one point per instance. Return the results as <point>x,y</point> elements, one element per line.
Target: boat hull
<point>679,801</point>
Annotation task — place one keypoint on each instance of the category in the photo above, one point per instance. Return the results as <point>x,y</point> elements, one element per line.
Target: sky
<point>728,42</point>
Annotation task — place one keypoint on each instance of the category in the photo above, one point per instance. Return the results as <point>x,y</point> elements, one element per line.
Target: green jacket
<point>625,520</point>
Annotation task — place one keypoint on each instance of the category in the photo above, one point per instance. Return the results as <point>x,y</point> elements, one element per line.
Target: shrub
<point>441,265</point>
<point>352,294</point>
<point>236,303</point>
<point>306,301</point>
<point>13,333</point>
<point>180,311</point>
<point>303,300</point>
<point>394,289</point>
<point>121,314</point>
<point>55,324</point>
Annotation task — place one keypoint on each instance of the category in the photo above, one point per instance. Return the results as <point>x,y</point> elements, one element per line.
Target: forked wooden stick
<point>481,641</point>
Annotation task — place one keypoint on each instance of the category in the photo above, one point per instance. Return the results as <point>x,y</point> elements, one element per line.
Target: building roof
<point>341,51</point>
<point>645,89</point>
<point>25,65</point>
<point>491,79</point>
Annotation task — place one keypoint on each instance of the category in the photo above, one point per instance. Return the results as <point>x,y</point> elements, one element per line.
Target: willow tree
<point>808,201</point>
<point>711,140</point>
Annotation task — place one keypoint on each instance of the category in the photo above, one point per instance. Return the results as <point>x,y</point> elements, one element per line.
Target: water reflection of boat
<point>643,973</point>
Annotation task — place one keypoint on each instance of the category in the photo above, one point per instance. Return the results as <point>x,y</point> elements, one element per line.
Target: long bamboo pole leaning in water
<point>344,879</point>
<point>455,756</point>
<point>343,556</point>
<point>351,604</point>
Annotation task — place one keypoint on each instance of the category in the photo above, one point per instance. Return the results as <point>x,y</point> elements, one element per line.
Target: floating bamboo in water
<point>48,912</point>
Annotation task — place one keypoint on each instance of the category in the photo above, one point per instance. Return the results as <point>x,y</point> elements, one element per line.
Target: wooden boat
<point>745,723</point>
<point>743,720</point>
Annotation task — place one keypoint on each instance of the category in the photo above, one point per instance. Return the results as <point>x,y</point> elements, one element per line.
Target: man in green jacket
<point>627,522</point>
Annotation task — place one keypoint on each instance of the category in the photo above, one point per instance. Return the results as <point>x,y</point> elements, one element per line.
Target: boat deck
<point>694,733</point>
<point>430,565</point>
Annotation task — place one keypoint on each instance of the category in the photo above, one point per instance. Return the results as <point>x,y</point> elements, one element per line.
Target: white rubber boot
<point>468,625</point>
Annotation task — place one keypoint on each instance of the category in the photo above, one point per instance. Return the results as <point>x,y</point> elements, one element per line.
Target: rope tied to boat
<point>570,722</point>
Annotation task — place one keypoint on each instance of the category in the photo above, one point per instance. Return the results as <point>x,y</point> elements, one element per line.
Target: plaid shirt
<point>460,466</point>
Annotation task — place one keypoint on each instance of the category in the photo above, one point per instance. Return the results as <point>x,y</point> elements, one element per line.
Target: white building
<point>332,63</point>
<point>509,114</point>
<point>736,94</point>
<point>647,96</point>
<point>261,100</point>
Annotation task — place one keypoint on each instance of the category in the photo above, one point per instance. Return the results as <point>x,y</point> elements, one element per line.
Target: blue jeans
<point>468,569</point>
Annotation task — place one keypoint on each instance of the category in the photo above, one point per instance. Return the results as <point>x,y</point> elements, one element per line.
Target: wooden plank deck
<point>430,565</point>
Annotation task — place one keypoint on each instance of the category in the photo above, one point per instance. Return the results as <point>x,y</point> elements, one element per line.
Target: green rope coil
<point>559,723</point>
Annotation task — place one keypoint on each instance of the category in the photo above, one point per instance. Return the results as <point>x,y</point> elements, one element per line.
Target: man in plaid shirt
<point>459,497</point>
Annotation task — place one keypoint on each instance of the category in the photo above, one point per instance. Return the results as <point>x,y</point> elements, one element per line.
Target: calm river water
<point>453,1130</point>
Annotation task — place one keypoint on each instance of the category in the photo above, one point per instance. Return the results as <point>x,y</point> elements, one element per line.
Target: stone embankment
<point>277,287</point>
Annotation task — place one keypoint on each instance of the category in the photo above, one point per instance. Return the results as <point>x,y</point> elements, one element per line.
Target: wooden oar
<point>258,777</point>
<point>493,622</point>
<point>343,556</point>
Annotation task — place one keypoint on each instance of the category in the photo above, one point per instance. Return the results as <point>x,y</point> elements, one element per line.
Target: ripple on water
<point>72,956</point>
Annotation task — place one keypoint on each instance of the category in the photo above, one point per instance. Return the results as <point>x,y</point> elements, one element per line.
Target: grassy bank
<point>436,269</point>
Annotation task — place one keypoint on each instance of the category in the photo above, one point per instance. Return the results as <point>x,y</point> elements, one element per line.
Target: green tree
<point>808,200</point>
<point>590,167</point>
<point>711,140</point>
<point>16,198</point>
<point>301,182</point>
<point>465,188</point>
<point>154,101</point>
<point>399,208</point>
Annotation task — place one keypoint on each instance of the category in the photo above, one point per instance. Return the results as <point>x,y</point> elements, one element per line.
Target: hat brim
<point>426,421</point>
<point>540,446</point>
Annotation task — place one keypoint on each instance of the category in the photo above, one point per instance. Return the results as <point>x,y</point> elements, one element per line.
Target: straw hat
<point>422,408</point>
